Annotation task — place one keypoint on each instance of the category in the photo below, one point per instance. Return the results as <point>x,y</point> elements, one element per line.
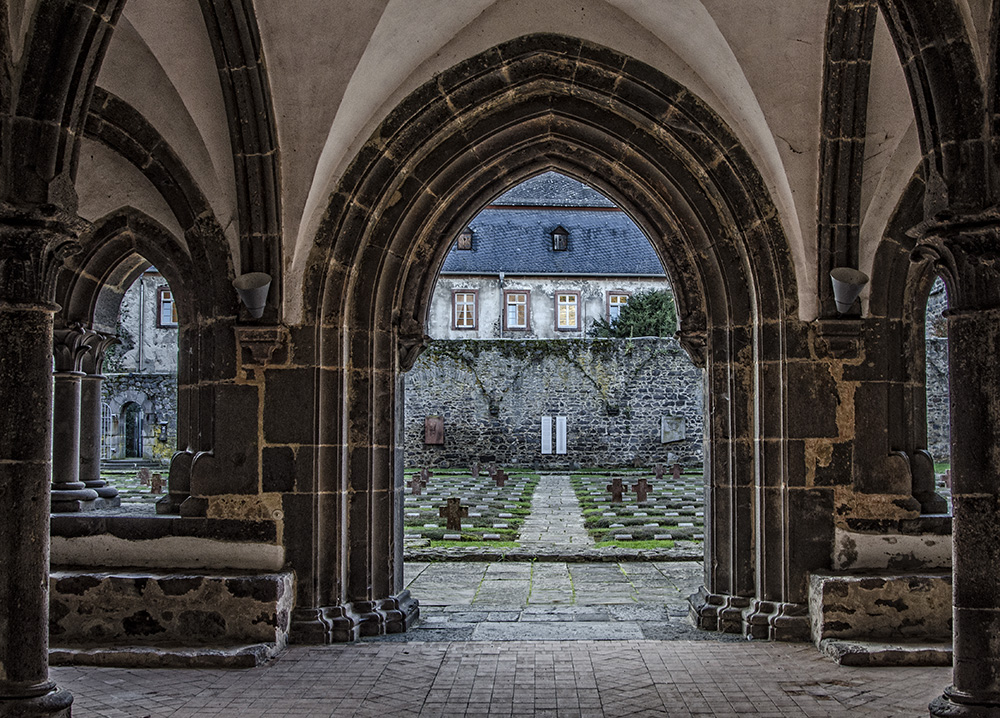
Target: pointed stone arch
<point>537,103</point>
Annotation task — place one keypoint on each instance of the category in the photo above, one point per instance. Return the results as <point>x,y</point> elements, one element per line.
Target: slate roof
<point>517,238</point>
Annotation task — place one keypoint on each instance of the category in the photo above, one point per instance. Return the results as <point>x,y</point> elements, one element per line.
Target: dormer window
<point>465,239</point>
<point>560,239</point>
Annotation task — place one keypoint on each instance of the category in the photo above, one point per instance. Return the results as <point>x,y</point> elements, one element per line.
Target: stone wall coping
<point>932,524</point>
<point>139,528</point>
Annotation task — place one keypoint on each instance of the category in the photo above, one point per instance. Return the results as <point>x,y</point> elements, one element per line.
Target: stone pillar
<point>965,253</point>
<point>90,420</point>
<point>68,492</point>
<point>32,248</point>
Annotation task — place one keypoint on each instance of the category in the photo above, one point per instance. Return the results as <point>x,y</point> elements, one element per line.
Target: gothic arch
<point>536,103</point>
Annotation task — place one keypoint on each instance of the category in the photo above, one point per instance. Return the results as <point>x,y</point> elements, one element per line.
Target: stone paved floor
<point>555,520</point>
<point>523,678</point>
<point>490,643</point>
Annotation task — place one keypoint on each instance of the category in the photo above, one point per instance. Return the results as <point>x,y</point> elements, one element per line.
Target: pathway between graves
<point>556,520</point>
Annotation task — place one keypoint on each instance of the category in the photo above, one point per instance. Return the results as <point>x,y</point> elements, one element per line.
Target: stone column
<point>32,248</point>
<point>68,492</point>
<point>90,420</point>
<point>965,253</point>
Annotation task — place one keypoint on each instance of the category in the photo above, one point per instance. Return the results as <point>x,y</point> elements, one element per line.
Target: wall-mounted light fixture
<point>253,288</point>
<point>847,285</point>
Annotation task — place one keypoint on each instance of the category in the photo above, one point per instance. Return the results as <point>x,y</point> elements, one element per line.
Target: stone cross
<point>475,470</point>
<point>143,476</point>
<point>641,490</point>
<point>617,489</point>
<point>500,477</point>
<point>425,475</point>
<point>658,470</point>
<point>156,484</point>
<point>677,471</point>
<point>454,512</point>
<point>415,485</point>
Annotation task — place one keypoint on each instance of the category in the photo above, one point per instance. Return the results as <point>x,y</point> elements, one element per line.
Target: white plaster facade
<point>593,292</point>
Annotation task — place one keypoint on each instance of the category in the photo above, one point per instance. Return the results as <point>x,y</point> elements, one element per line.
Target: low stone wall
<point>179,609</point>
<point>491,395</point>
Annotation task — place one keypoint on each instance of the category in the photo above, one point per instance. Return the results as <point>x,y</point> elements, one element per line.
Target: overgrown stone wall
<point>938,411</point>
<point>493,393</point>
<point>157,396</point>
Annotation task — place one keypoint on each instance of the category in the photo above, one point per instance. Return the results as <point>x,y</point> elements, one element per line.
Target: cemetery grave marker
<point>453,512</point>
<point>677,471</point>
<point>500,478</point>
<point>641,489</point>
<point>617,489</point>
<point>475,470</point>
<point>155,483</point>
<point>658,471</point>
<point>143,476</point>
<point>415,485</point>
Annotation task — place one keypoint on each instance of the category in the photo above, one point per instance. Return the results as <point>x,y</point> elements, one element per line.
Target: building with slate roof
<point>544,260</point>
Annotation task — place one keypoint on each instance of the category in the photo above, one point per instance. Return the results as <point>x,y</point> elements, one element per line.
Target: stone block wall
<point>156,394</point>
<point>181,609</point>
<point>493,393</point>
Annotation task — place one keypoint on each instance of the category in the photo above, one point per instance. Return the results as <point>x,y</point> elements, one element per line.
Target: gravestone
<point>492,469</point>
<point>617,489</point>
<point>658,471</point>
<point>677,471</point>
<point>143,476</point>
<point>475,470</point>
<point>641,489</point>
<point>500,477</point>
<point>415,485</point>
<point>155,483</point>
<point>434,430</point>
<point>453,513</point>
<point>425,475</point>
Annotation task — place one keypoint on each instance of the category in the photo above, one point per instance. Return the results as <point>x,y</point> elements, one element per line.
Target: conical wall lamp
<point>847,285</point>
<point>253,288</point>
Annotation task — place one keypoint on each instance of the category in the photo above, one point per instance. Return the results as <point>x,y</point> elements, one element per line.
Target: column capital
<point>965,251</point>
<point>98,344</point>
<point>69,347</point>
<point>34,243</point>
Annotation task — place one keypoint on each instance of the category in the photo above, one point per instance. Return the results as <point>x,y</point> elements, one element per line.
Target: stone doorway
<point>131,421</point>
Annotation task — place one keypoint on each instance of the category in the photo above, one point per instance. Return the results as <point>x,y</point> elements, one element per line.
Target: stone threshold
<point>683,551</point>
<point>245,656</point>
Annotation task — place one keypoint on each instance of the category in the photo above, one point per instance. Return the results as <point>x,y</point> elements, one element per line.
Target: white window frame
<point>166,304</point>
<point>616,306</point>
<point>508,305</point>
<point>461,297</point>
<point>575,304</point>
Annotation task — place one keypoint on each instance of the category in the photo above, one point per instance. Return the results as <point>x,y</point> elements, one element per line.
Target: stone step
<point>247,656</point>
<point>192,618</point>
<point>871,654</point>
<point>881,606</point>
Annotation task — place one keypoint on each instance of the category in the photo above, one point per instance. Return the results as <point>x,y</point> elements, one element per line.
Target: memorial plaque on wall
<point>672,429</point>
<point>434,430</point>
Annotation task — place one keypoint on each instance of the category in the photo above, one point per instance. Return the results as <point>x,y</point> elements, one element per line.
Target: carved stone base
<point>774,621</point>
<point>73,500</point>
<point>54,704</point>
<point>717,612</point>
<point>388,615</point>
<point>321,626</point>
<point>953,705</point>
<point>348,622</point>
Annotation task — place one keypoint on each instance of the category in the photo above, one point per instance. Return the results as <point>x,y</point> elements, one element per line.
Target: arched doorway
<point>131,423</point>
<point>535,104</point>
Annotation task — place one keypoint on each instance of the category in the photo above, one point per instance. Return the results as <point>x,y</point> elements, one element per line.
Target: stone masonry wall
<point>938,411</point>
<point>158,396</point>
<point>492,393</point>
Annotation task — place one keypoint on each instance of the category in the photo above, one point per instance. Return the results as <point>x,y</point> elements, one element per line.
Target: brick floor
<point>538,678</point>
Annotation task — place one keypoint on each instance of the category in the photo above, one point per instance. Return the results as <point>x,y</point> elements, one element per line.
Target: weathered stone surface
<point>150,609</point>
<point>614,394</point>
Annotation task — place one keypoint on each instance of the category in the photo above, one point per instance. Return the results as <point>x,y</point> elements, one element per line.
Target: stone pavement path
<point>556,520</point>
<point>522,600</point>
<point>607,679</point>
